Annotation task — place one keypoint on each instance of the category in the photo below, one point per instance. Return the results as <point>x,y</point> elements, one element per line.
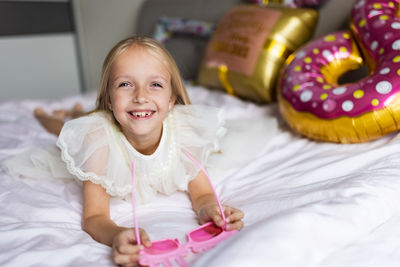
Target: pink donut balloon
<point>314,104</point>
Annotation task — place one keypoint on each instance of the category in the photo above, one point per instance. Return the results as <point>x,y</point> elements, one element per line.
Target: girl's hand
<point>211,212</point>
<point>125,251</point>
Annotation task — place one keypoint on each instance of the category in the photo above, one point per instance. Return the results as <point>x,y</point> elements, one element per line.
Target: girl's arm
<point>205,205</point>
<point>96,214</point>
<point>97,223</point>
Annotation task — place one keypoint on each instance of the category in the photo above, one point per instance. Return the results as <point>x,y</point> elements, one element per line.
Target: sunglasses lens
<point>162,246</point>
<point>205,232</point>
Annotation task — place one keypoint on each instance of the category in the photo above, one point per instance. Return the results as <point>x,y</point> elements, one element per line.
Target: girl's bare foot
<point>61,113</point>
<point>76,111</point>
<point>52,124</point>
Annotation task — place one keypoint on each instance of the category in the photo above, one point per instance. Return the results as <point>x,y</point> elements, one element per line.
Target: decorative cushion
<point>167,26</point>
<point>249,46</point>
<point>290,3</point>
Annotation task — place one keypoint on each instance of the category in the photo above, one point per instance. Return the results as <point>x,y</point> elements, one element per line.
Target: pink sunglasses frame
<point>202,238</point>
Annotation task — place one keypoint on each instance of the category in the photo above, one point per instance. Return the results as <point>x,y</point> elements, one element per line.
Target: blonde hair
<point>178,88</point>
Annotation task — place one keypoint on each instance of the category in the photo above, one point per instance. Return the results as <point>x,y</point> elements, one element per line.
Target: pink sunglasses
<point>202,238</point>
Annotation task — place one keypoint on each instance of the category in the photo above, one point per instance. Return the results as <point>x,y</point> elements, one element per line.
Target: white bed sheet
<point>306,203</point>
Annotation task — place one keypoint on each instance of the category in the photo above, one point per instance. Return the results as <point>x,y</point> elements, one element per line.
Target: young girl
<point>143,114</point>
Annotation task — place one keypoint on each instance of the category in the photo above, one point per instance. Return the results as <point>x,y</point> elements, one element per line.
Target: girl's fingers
<point>201,221</point>
<point>144,238</point>
<point>128,249</point>
<point>233,217</point>
<point>228,210</point>
<point>123,259</point>
<point>208,213</point>
<point>129,236</point>
<point>217,219</point>
<point>125,251</point>
<point>235,226</point>
<point>236,215</point>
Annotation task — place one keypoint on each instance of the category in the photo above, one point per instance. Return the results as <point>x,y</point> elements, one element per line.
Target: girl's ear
<point>172,102</point>
<point>109,105</point>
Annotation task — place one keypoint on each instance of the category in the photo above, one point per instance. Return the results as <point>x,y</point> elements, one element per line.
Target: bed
<point>306,203</point>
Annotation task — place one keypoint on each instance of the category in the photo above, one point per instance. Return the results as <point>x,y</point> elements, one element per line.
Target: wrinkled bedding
<point>306,203</point>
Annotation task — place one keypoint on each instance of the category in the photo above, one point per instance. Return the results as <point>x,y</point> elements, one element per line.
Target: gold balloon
<point>266,2</point>
<point>228,65</point>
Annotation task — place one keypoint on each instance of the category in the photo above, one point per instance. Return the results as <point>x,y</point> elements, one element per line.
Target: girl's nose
<point>140,96</point>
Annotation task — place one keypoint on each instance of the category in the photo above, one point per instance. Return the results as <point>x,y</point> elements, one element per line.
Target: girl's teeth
<point>141,114</point>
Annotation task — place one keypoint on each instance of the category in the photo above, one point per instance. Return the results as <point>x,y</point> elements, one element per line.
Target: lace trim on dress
<point>108,184</point>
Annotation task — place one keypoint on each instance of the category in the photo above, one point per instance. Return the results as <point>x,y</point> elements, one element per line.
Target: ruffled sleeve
<point>89,147</point>
<point>198,130</point>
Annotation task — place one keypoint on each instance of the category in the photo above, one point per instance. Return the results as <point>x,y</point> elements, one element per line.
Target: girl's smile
<point>141,114</point>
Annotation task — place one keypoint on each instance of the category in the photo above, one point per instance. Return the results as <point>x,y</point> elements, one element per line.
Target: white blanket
<point>306,203</point>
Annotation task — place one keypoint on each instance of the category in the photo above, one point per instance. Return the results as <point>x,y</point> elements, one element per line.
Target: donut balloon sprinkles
<point>314,104</point>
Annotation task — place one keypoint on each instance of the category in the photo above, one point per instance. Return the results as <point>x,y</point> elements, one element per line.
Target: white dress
<point>93,148</point>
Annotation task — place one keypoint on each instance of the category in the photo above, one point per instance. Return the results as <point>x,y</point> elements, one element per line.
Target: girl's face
<point>140,94</point>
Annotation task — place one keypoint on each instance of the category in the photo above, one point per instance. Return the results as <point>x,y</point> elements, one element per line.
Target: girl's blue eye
<point>124,84</point>
<point>157,85</point>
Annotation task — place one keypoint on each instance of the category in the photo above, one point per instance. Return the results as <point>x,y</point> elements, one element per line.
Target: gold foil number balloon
<point>249,47</point>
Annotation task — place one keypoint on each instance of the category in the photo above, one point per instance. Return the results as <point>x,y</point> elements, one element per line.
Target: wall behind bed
<point>38,52</point>
<point>101,23</point>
